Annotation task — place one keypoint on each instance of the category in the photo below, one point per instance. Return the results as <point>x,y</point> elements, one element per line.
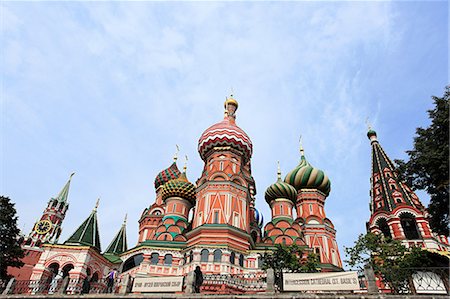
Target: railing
<point>234,283</point>
<point>71,286</point>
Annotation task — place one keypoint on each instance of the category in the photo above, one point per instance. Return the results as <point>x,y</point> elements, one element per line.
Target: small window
<point>204,255</point>
<point>310,208</point>
<point>174,207</point>
<point>154,258</point>
<point>216,217</point>
<point>241,260</point>
<point>232,257</point>
<point>217,256</point>
<point>221,166</point>
<point>168,260</point>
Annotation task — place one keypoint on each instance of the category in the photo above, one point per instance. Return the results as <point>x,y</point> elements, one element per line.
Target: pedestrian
<point>198,279</point>
<point>86,285</point>
<point>110,280</point>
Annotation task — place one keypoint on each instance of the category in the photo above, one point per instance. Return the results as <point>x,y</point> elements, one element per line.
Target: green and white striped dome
<point>305,176</point>
<point>280,189</point>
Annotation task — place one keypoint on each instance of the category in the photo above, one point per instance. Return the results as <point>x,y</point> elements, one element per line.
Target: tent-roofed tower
<point>118,245</point>
<point>48,227</point>
<point>87,233</point>
<point>396,211</point>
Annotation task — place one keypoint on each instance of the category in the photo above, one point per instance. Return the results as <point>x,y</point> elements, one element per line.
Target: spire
<point>175,157</point>
<point>87,233</point>
<point>278,171</point>
<point>119,243</point>
<point>185,164</point>
<point>302,151</point>
<point>387,190</point>
<point>231,106</point>
<point>63,194</point>
<point>371,134</point>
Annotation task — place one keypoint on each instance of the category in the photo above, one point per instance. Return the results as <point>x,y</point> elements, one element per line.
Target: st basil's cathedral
<point>213,223</point>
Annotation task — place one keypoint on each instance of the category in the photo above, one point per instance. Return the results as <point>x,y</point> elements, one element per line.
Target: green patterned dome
<point>371,133</point>
<point>280,189</point>
<point>305,176</point>
<point>179,187</point>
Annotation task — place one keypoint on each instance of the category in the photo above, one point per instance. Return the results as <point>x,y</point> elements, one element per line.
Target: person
<point>55,281</point>
<point>198,279</point>
<point>110,280</point>
<point>86,285</point>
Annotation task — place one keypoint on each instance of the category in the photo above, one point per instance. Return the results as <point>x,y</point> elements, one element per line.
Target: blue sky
<point>108,89</point>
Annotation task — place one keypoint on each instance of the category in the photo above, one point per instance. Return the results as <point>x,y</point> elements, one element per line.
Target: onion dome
<point>305,176</point>
<point>280,189</point>
<point>166,175</point>
<point>259,218</point>
<point>371,133</point>
<point>179,187</point>
<point>226,133</point>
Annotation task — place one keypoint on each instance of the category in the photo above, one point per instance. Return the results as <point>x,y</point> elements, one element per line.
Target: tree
<point>383,254</point>
<point>428,165</point>
<point>289,258</point>
<point>10,250</point>
<point>392,261</point>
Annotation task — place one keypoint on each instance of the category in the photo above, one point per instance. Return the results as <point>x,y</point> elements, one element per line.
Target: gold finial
<point>175,157</point>
<point>96,204</point>
<point>302,151</point>
<point>185,163</point>
<point>368,124</point>
<point>279,171</point>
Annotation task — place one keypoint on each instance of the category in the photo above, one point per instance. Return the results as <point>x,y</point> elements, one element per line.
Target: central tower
<point>224,210</point>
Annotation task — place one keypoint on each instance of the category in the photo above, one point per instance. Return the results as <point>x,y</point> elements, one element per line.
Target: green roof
<point>64,193</point>
<point>87,233</point>
<point>119,243</point>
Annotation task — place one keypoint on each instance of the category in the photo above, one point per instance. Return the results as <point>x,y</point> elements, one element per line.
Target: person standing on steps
<point>110,280</point>
<point>198,279</point>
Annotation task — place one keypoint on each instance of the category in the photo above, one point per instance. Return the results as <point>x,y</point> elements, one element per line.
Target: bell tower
<point>48,227</point>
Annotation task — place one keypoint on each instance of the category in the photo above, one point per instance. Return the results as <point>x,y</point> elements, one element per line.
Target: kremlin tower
<point>396,211</point>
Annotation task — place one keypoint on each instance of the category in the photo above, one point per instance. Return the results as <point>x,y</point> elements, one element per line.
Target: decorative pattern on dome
<point>305,176</point>
<point>280,190</point>
<point>225,133</point>
<point>166,175</point>
<point>259,218</point>
<point>283,231</point>
<point>179,187</point>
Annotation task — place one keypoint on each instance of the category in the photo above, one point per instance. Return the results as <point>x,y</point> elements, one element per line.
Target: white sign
<point>331,281</point>
<point>158,284</point>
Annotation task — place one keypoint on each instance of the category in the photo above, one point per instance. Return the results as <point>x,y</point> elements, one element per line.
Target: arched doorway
<point>132,262</point>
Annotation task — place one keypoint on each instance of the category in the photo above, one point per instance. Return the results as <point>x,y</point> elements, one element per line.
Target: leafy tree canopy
<point>391,260</point>
<point>290,258</point>
<point>428,165</point>
<point>10,250</point>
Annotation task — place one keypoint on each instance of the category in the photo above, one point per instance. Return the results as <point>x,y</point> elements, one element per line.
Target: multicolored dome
<point>305,176</point>
<point>371,133</point>
<point>280,189</point>
<point>225,133</point>
<point>166,175</point>
<point>179,187</point>
<point>259,218</point>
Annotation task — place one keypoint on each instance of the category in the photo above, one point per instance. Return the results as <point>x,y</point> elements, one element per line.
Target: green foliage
<point>391,260</point>
<point>10,250</point>
<point>428,165</point>
<point>290,258</point>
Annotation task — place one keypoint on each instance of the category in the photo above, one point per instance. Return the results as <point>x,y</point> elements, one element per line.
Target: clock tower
<point>48,227</point>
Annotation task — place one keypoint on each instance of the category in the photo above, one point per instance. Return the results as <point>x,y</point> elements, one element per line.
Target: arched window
<point>204,254</point>
<point>232,257</point>
<point>409,226</point>
<point>132,262</point>
<point>154,259</point>
<point>384,227</point>
<point>241,260</point>
<point>217,256</point>
<point>260,261</point>
<point>168,260</point>
<point>191,256</point>
<point>66,269</point>
<point>317,252</point>
<point>54,267</point>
